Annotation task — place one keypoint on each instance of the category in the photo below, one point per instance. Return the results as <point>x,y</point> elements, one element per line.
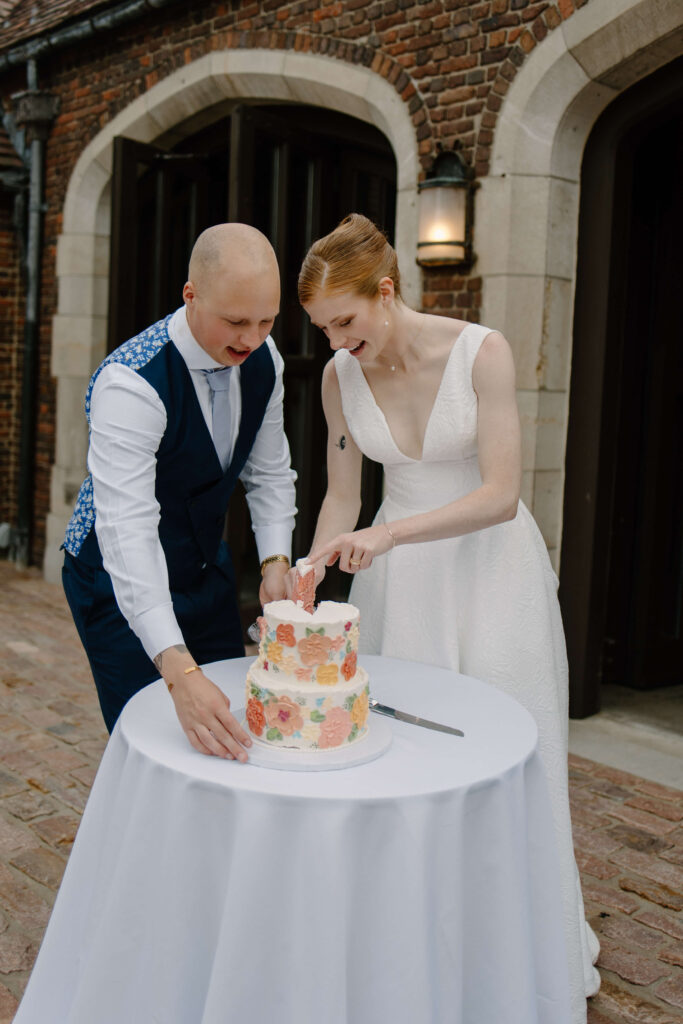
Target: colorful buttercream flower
<point>255,716</point>
<point>337,642</point>
<point>326,675</point>
<point>285,634</point>
<point>348,666</point>
<point>359,711</point>
<point>335,729</point>
<point>304,675</point>
<point>284,714</point>
<point>310,732</point>
<point>288,665</point>
<point>314,649</point>
<point>353,637</point>
<point>275,653</point>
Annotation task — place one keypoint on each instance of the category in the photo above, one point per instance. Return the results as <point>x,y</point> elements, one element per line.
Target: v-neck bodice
<point>450,435</point>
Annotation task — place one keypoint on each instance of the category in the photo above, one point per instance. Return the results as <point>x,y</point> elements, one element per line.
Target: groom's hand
<point>274,583</point>
<point>203,709</point>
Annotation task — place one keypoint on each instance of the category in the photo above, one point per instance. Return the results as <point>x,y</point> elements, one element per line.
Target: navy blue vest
<point>191,488</point>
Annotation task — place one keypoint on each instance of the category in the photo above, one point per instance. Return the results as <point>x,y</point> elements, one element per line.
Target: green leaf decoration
<point>353,733</point>
<point>316,716</point>
<point>309,631</point>
<point>274,734</point>
<point>254,690</point>
<point>349,702</point>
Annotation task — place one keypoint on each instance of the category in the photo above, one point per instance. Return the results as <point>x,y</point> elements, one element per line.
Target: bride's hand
<point>355,550</point>
<point>290,578</point>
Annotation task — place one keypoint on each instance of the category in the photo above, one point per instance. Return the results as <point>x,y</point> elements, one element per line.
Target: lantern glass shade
<point>442,224</point>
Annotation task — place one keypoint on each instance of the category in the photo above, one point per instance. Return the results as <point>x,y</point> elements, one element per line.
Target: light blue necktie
<point>219,382</point>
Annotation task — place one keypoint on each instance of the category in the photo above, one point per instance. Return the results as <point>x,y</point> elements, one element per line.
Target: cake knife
<point>403,716</point>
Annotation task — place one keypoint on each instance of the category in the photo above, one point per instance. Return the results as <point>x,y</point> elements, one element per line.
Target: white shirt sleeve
<point>268,478</point>
<point>127,422</point>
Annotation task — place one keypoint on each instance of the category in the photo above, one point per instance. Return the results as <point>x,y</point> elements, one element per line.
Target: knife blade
<point>403,716</point>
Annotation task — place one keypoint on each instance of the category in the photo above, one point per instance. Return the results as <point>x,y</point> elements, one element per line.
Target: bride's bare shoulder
<point>446,327</point>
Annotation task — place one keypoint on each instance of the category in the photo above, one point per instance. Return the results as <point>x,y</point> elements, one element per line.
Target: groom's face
<point>231,318</point>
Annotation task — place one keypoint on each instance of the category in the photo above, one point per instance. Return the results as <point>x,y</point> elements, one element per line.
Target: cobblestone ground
<point>628,831</point>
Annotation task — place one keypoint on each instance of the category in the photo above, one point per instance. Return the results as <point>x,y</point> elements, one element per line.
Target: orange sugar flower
<point>255,716</point>
<point>285,634</point>
<point>348,666</point>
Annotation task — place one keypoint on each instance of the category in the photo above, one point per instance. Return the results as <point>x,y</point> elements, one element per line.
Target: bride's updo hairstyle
<point>352,258</point>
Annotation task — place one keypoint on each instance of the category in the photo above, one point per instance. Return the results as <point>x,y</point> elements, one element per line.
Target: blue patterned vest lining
<point>136,353</point>
<point>191,488</point>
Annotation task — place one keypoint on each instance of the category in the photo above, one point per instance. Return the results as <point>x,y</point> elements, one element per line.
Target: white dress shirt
<point>127,422</point>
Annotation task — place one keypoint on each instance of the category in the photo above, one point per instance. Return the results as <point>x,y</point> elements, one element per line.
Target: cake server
<point>403,716</point>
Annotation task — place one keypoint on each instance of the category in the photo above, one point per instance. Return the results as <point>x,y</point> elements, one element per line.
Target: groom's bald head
<point>232,295</point>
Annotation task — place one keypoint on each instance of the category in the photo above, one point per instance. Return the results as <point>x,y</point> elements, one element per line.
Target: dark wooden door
<point>295,173</point>
<point>622,548</point>
<point>643,642</point>
<point>161,201</point>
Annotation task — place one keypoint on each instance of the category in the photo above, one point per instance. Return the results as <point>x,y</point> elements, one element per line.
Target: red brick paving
<point>628,830</point>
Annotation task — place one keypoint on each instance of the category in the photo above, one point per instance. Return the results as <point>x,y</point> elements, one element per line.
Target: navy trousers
<point>207,613</point>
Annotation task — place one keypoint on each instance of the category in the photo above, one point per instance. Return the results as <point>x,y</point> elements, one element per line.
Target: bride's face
<point>350,321</point>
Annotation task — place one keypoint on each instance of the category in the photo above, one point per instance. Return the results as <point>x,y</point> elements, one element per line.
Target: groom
<point>176,415</point>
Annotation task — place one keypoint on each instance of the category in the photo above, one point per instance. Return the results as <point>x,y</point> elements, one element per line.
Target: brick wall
<point>452,62</point>
<point>11,336</point>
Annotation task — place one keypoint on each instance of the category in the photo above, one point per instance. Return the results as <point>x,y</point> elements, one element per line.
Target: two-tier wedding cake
<point>305,691</point>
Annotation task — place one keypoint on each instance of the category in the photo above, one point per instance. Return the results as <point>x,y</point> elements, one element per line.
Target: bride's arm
<point>341,506</point>
<point>499,452</point>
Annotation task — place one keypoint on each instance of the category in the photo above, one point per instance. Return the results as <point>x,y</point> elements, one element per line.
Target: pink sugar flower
<point>285,715</point>
<point>335,728</point>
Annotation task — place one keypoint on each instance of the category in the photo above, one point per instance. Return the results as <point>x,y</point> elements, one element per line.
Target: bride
<point>454,571</point>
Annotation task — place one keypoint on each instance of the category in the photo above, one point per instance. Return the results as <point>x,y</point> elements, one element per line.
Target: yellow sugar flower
<point>327,675</point>
<point>310,732</point>
<point>275,653</point>
<point>359,711</point>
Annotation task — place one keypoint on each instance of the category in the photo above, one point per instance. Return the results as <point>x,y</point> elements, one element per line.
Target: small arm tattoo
<point>341,443</point>
<point>160,656</point>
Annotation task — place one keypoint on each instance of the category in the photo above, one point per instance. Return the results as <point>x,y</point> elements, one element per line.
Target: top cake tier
<point>311,647</point>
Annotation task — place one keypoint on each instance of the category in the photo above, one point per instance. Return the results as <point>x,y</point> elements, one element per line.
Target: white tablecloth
<point>420,888</point>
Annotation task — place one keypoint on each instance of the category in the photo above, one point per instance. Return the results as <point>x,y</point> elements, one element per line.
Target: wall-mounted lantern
<point>445,207</point>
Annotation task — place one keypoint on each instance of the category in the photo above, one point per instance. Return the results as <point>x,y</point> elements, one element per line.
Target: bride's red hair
<point>352,258</point>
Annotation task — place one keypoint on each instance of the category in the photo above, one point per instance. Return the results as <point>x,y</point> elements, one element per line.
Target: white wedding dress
<point>484,604</point>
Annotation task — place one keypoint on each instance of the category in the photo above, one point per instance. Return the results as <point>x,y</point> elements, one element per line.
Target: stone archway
<point>80,325</point>
<point>527,213</point>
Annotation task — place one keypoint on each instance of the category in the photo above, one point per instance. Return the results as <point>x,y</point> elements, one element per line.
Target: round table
<point>419,888</point>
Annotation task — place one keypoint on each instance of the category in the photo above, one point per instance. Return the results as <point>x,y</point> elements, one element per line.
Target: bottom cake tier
<point>304,716</point>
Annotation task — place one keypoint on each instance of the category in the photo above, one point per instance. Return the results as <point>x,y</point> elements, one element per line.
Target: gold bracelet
<point>192,668</point>
<point>391,535</point>
<point>274,558</point>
